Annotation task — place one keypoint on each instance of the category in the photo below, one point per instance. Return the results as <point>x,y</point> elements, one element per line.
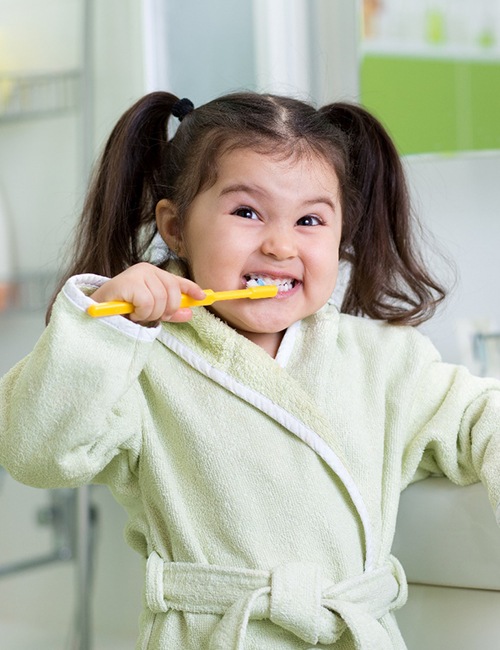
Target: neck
<point>270,343</point>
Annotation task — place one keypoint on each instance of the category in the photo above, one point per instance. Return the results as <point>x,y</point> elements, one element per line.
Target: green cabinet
<point>432,104</point>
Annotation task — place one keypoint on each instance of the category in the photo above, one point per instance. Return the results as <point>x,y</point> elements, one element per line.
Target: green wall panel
<point>485,105</point>
<point>434,105</point>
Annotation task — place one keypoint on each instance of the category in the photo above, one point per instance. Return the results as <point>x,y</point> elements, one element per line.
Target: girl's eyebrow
<point>327,200</point>
<point>252,189</point>
<point>242,187</point>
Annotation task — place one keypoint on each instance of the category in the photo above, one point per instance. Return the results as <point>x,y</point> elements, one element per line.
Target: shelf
<point>36,95</point>
<point>419,50</point>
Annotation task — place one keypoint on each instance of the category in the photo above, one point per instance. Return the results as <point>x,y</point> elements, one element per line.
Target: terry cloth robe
<point>262,493</point>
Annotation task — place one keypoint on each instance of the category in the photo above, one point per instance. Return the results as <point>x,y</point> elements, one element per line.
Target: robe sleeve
<point>74,403</point>
<point>454,426</point>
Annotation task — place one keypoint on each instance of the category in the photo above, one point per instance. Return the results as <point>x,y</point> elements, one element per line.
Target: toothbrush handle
<point>267,291</point>
<point>117,307</point>
<point>111,308</point>
<point>187,301</point>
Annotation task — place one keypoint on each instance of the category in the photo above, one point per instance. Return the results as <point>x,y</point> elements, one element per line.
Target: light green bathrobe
<point>262,492</point>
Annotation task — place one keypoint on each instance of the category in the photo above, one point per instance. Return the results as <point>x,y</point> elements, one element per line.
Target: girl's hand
<point>155,294</point>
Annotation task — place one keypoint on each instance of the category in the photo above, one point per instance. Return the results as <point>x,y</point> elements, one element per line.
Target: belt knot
<point>294,596</point>
<point>295,599</point>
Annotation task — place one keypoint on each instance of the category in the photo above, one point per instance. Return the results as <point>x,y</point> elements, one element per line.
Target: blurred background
<point>430,70</point>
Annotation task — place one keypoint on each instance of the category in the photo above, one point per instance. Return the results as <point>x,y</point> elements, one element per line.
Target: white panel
<point>435,618</point>
<point>447,535</point>
<point>156,75</point>
<point>335,38</point>
<point>281,32</point>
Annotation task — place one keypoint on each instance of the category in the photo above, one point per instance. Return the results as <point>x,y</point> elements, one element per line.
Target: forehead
<point>301,170</point>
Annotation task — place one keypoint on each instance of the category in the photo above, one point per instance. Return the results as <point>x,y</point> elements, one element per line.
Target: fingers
<point>159,297</point>
<point>155,294</point>
<point>151,299</point>
<point>181,315</point>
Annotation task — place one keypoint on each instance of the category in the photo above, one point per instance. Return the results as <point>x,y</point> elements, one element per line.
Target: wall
<point>39,198</point>
<point>42,180</point>
<point>42,200</point>
<point>209,48</point>
<point>458,198</point>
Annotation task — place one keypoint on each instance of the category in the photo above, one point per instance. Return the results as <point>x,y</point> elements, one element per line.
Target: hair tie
<point>181,108</point>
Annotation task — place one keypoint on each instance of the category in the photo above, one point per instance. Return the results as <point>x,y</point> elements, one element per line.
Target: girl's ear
<point>168,225</point>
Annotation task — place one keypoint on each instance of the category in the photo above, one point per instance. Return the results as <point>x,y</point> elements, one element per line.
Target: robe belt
<point>295,596</point>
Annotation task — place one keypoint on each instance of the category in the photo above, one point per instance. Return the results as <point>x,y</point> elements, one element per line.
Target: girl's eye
<point>246,213</point>
<point>309,220</point>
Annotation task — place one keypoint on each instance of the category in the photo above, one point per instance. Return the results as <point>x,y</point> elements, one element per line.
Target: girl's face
<point>265,219</point>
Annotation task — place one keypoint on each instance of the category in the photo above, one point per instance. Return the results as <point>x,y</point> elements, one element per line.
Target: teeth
<point>283,284</point>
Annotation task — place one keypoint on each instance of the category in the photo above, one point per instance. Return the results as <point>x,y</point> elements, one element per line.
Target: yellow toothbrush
<point>116,307</point>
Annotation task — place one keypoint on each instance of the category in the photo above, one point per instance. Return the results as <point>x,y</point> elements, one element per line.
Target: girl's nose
<point>279,244</point>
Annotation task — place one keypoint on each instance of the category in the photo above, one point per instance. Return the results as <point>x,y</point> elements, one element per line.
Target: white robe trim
<point>76,289</point>
<point>287,343</point>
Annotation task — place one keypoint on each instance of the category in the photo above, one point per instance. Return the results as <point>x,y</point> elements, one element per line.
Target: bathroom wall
<point>458,198</point>
<point>45,37</point>
<point>38,198</point>
<point>43,173</point>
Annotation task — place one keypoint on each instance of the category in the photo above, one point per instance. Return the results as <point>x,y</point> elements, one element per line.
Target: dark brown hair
<point>141,165</point>
<point>388,278</point>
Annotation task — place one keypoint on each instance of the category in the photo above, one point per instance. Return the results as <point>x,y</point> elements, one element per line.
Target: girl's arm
<point>454,428</point>
<point>74,403</point>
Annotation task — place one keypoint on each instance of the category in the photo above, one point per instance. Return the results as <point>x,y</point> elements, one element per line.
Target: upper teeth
<point>283,284</point>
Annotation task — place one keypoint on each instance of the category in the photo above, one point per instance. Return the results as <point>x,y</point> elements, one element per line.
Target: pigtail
<point>118,218</point>
<point>388,279</point>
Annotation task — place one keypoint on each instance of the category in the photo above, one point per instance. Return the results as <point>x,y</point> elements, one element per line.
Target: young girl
<point>259,446</point>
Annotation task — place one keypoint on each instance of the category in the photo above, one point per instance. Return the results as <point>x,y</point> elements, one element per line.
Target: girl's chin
<point>261,318</point>
<point>266,329</point>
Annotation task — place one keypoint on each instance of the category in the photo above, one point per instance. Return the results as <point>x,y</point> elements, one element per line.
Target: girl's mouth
<point>284,284</point>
